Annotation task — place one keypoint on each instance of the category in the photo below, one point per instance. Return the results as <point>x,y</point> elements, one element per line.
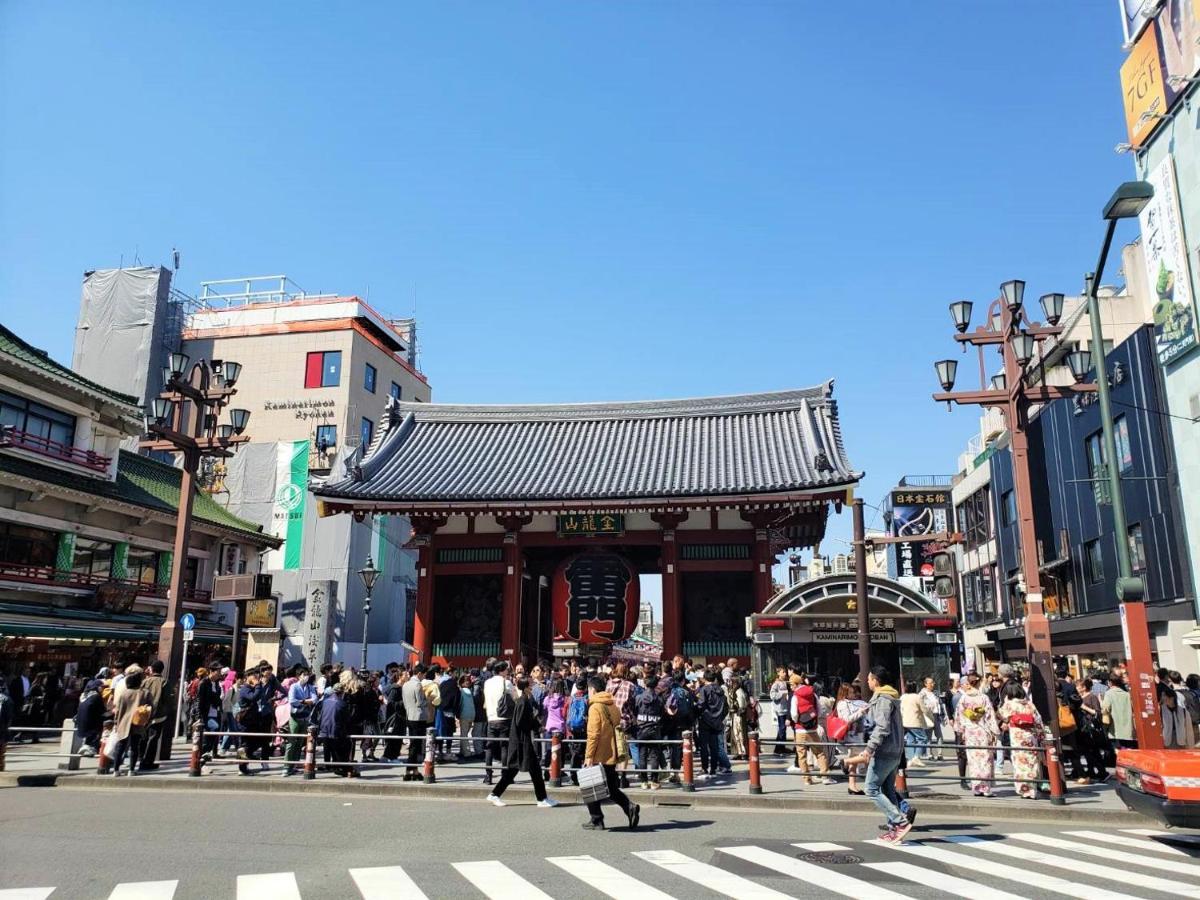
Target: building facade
<point>87,528</point>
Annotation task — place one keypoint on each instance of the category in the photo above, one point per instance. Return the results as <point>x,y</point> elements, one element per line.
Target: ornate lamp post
<point>369,575</point>
<point>184,420</point>
<point>1014,392</point>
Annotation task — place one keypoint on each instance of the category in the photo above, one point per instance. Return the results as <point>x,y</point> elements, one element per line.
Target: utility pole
<point>860,592</point>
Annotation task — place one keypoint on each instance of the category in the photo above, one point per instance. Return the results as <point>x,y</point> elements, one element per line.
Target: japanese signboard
<point>261,613</point>
<point>591,525</point>
<point>915,513</point>
<point>595,598</point>
<point>320,601</point>
<point>1143,87</point>
<point>1167,268</point>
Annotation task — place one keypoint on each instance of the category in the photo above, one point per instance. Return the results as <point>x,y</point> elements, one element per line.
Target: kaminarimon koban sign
<point>595,598</point>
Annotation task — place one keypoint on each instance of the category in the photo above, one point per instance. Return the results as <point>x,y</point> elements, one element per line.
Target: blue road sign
<point>187,621</point>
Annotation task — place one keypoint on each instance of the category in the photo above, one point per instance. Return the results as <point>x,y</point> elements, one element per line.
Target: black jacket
<point>648,716</point>
<point>451,698</point>
<point>713,707</point>
<point>89,718</point>
<point>208,695</point>
<point>521,752</point>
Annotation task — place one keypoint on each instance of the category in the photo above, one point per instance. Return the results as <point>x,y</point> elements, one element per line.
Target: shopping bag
<point>836,728</point>
<point>593,786</point>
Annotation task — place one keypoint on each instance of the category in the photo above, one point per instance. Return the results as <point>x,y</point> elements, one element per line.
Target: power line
<point>1157,412</point>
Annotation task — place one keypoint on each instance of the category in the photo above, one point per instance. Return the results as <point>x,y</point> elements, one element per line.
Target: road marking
<point>951,884</point>
<point>1136,859</point>
<point>812,874</point>
<point>1174,838</point>
<point>606,879</point>
<point>386,883</point>
<point>26,893</point>
<point>1127,842</point>
<point>1082,866</point>
<point>498,881</point>
<point>711,877</point>
<point>1029,877</point>
<point>822,847</point>
<point>144,890</point>
<point>275,886</point>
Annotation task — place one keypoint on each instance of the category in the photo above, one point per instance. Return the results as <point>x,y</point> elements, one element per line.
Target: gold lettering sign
<point>591,524</point>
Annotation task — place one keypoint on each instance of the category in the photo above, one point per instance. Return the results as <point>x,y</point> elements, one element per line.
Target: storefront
<point>813,625</point>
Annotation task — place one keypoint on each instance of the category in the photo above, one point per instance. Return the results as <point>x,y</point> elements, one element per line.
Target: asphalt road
<point>85,843</point>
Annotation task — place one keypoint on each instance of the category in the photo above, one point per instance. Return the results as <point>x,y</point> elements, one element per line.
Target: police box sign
<point>591,525</point>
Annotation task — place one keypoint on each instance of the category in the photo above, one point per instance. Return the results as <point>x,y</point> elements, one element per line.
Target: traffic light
<point>945,581</point>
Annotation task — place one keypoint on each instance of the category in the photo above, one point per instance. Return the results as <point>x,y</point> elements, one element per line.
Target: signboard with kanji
<point>595,598</point>
<point>591,524</point>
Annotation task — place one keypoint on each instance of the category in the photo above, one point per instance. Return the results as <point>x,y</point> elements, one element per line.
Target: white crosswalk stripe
<point>1030,877</point>
<point>26,893</point>
<point>274,886</point>
<point>386,883</point>
<point>606,879</point>
<point>144,890</point>
<point>812,873</point>
<point>1107,853</point>
<point>711,877</point>
<point>499,882</point>
<point>951,884</point>
<point>1191,839</point>
<point>1128,843</point>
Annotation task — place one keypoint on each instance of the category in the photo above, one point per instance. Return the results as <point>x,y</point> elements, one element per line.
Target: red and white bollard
<point>310,754</point>
<point>428,776</point>
<point>689,781</point>
<point>755,774</point>
<point>556,759</point>
<point>196,763</point>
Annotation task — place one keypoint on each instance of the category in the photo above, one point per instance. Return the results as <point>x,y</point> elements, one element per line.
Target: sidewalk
<point>935,789</point>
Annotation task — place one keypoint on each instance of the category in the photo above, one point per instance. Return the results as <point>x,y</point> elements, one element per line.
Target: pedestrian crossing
<point>1100,865</point>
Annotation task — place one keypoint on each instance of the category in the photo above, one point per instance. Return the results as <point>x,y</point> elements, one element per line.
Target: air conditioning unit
<point>241,587</point>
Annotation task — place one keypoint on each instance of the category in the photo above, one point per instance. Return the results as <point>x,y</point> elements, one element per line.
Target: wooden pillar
<point>423,531</point>
<point>510,611</point>
<point>672,598</point>
<point>763,558</point>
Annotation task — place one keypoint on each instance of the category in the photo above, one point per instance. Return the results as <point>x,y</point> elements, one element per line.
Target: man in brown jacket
<point>602,723</point>
<point>160,699</point>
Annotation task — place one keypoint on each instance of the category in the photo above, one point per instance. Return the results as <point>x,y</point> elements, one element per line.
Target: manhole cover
<point>831,859</point>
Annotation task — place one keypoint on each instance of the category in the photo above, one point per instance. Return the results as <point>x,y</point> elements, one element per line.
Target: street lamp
<point>1023,345</point>
<point>1080,363</point>
<point>999,382</point>
<point>960,312</point>
<point>369,575</point>
<point>183,420</point>
<point>1052,307</point>
<point>947,370</point>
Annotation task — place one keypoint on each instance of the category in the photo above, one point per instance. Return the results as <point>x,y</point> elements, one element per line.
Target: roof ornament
<point>821,461</point>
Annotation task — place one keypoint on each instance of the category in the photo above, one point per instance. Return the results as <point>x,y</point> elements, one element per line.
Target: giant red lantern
<point>595,598</point>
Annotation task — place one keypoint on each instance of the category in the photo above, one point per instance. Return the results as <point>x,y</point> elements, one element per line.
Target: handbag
<point>622,747</point>
<point>593,785</point>
<point>836,728</point>
<point>1066,719</point>
<point>141,715</point>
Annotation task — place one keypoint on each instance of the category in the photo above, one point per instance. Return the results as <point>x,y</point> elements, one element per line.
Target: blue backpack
<point>577,714</point>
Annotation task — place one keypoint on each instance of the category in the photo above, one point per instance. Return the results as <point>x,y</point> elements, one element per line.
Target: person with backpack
<point>576,721</point>
<point>712,708</point>
<point>806,714</point>
<point>499,700</point>
<point>648,726</point>
<point>554,714</point>
<point>520,752</point>
<point>1024,724</point>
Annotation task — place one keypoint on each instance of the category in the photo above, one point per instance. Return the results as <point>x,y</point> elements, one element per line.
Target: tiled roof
<point>781,442</point>
<point>13,346</point>
<point>141,481</point>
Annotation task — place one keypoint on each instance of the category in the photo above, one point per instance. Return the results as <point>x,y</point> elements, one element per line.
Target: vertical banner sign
<point>291,490</point>
<point>320,599</point>
<point>916,513</point>
<point>1167,268</point>
<point>1143,87</point>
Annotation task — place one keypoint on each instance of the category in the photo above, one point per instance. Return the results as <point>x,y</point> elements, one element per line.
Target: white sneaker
<point>795,770</point>
<point>548,803</point>
<point>828,781</point>
<point>495,801</point>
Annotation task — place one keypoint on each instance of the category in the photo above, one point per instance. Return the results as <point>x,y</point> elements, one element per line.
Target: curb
<point>677,800</point>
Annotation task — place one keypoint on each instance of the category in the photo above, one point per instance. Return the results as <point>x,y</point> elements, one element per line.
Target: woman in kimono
<point>1018,714</point>
<point>975,726</point>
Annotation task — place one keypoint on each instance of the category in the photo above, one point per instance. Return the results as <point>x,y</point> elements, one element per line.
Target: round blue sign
<point>187,621</point>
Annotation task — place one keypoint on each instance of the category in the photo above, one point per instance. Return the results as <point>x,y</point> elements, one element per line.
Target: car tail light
<point>1121,773</point>
<point>1153,784</point>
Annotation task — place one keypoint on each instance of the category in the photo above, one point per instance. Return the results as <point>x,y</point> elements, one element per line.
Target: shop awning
<point>28,620</point>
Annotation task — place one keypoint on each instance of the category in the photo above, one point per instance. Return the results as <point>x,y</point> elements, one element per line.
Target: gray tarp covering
<point>121,338</point>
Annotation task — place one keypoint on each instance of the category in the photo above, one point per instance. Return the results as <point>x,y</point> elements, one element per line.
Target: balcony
<point>43,446</point>
<point>48,575</point>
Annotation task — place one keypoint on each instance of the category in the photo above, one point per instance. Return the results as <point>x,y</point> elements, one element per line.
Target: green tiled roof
<point>141,481</point>
<point>12,345</point>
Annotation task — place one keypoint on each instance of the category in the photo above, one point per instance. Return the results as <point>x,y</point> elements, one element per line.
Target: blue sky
<point>581,201</point>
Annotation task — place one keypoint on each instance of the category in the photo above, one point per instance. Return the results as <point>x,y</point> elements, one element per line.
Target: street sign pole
<point>187,622</point>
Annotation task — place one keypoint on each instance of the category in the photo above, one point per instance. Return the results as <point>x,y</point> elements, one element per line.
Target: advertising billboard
<point>1135,14</point>
<point>916,514</point>
<point>1143,87</point>
<point>1178,26</point>
<point>1167,269</point>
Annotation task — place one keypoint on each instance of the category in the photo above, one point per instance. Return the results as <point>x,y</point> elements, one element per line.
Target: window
<point>142,566</point>
<point>369,378</point>
<point>36,419</point>
<point>367,429</point>
<point>326,438</point>
<point>975,518</point>
<point>1124,448</point>
<point>1094,447</point>
<point>395,391</point>
<point>1137,549</point>
<point>323,369</point>
<point>93,558</point>
<point>25,546</point>
<point>1093,560</point>
<point>1008,507</point>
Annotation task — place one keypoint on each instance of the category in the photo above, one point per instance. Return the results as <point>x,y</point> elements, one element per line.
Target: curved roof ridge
<point>732,404</point>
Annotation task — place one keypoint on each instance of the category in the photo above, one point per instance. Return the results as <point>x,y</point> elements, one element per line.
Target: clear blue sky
<point>587,200</point>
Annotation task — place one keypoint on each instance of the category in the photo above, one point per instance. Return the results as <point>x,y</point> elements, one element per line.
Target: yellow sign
<point>260,614</point>
<point>1142,86</point>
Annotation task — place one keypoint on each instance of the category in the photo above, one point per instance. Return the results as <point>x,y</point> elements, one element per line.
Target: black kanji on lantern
<point>598,587</point>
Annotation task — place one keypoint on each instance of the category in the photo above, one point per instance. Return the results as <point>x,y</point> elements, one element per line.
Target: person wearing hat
<point>130,720</point>
<point>160,700</point>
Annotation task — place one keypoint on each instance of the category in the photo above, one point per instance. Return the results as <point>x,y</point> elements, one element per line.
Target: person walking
<point>602,724</point>
<point>131,719</point>
<point>520,752</point>
<point>975,724</point>
<point>935,713</point>
<point>852,709</point>
<point>916,726</point>
<point>882,755</point>
<point>416,712</point>
<point>499,699</point>
<point>806,715</point>
<point>1018,714</point>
